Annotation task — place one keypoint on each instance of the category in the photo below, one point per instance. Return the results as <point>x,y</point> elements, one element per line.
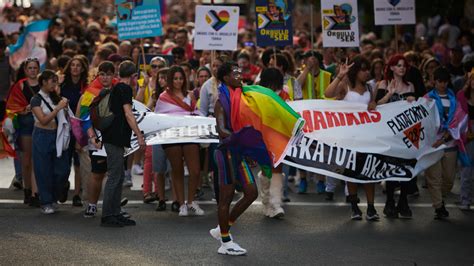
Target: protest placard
<point>394,12</point>
<point>274,23</point>
<point>138,19</point>
<point>216,27</point>
<point>340,22</point>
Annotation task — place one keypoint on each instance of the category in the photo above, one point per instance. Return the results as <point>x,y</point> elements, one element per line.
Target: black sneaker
<point>372,215</point>
<point>76,201</point>
<point>64,192</point>
<point>389,210</point>
<point>175,206</point>
<point>35,201</point>
<point>27,196</point>
<point>356,213</point>
<point>124,213</point>
<point>161,206</point>
<point>329,196</point>
<point>17,184</point>
<point>111,221</point>
<point>123,202</point>
<point>441,213</point>
<point>126,221</point>
<point>404,211</point>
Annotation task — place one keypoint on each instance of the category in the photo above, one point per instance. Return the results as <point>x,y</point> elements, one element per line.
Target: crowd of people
<point>85,58</point>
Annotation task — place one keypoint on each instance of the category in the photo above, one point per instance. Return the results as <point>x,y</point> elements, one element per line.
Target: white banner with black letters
<point>345,141</point>
<point>169,129</point>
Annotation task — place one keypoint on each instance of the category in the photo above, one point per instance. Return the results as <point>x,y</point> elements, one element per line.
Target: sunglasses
<point>156,66</point>
<point>31,59</point>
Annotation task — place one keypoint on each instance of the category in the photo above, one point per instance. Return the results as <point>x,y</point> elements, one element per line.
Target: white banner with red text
<point>346,141</point>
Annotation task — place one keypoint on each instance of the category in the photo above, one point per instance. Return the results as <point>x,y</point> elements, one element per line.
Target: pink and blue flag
<point>30,44</point>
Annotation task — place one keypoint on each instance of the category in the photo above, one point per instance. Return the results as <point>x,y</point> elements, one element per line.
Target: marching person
<point>176,100</point>
<point>394,88</point>
<point>51,165</point>
<point>232,169</point>
<point>356,90</point>
<point>116,138</point>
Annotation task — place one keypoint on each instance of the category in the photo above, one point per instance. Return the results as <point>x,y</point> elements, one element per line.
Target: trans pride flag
<point>30,44</point>
<point>264,125</point>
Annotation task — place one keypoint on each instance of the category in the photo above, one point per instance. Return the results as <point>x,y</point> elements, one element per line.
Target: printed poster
<point>274,23</point>
<point>138,19</point>
<point>216,28</point>
<point>394,12</point>
<point>340,22</point>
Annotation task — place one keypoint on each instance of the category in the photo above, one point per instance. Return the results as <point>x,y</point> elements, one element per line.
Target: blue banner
<point>138,19</point>
<point>274,22</point>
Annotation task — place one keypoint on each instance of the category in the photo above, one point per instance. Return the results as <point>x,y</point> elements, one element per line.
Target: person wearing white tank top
<point>350,85</point>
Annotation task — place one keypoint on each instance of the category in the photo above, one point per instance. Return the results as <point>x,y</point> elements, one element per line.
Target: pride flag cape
<point>456,123</point>
<point>264,126</point>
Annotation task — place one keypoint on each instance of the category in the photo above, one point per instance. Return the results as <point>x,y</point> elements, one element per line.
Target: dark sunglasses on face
<point>31,59</point>
<point>156,66</point>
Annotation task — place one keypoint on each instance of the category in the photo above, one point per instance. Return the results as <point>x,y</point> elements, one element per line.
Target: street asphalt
<point>313,232</point>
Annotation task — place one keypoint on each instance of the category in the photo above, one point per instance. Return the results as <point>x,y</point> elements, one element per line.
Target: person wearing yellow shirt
<point>314,78</point>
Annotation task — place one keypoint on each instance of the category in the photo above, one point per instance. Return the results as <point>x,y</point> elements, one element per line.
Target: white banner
<point>345,141</point>
<point>216,27</point>
<point>394,12</point>
<point>168,129</point>
<point>340,22</point>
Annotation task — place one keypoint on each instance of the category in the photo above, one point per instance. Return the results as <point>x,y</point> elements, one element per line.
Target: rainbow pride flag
<point>275,123</point>
<point>86,99</point>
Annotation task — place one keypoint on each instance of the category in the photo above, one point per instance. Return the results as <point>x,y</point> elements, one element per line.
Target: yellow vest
<point>291,88</point>
<point>147,93</point>
<point>320,84</point>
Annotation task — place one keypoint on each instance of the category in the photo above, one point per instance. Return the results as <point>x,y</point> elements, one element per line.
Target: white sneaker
<point>277,212</point>
<point>231,248</point>
<point>195,209</point>
<point>216,232</point>
<point>47,210</point>
<point>137,169</point>
<point>183,210</point>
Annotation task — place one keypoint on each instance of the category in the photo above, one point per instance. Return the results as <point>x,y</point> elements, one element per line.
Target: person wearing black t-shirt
<point>75,81</point>
<point>115,139</point>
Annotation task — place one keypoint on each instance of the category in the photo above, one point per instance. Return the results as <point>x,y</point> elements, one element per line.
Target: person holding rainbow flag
<point>252,123</point>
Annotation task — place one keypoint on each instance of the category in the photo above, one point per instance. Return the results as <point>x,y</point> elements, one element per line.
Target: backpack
<point>100,113</point>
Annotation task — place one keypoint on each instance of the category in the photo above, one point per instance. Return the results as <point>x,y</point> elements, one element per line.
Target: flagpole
<point>312,50</point>
<point>143,54</point>
<point>396,38</point>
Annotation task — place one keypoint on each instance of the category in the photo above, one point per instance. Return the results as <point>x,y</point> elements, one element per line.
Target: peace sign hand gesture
<point>344,69</point>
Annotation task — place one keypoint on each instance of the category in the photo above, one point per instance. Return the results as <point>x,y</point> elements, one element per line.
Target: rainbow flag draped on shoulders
<point>86,99</point>
<point>264,125</point>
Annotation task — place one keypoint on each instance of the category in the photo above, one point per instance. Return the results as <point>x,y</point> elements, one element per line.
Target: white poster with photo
<point>216,28</point>
<point>340,22</point>
<point>394,12</point>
